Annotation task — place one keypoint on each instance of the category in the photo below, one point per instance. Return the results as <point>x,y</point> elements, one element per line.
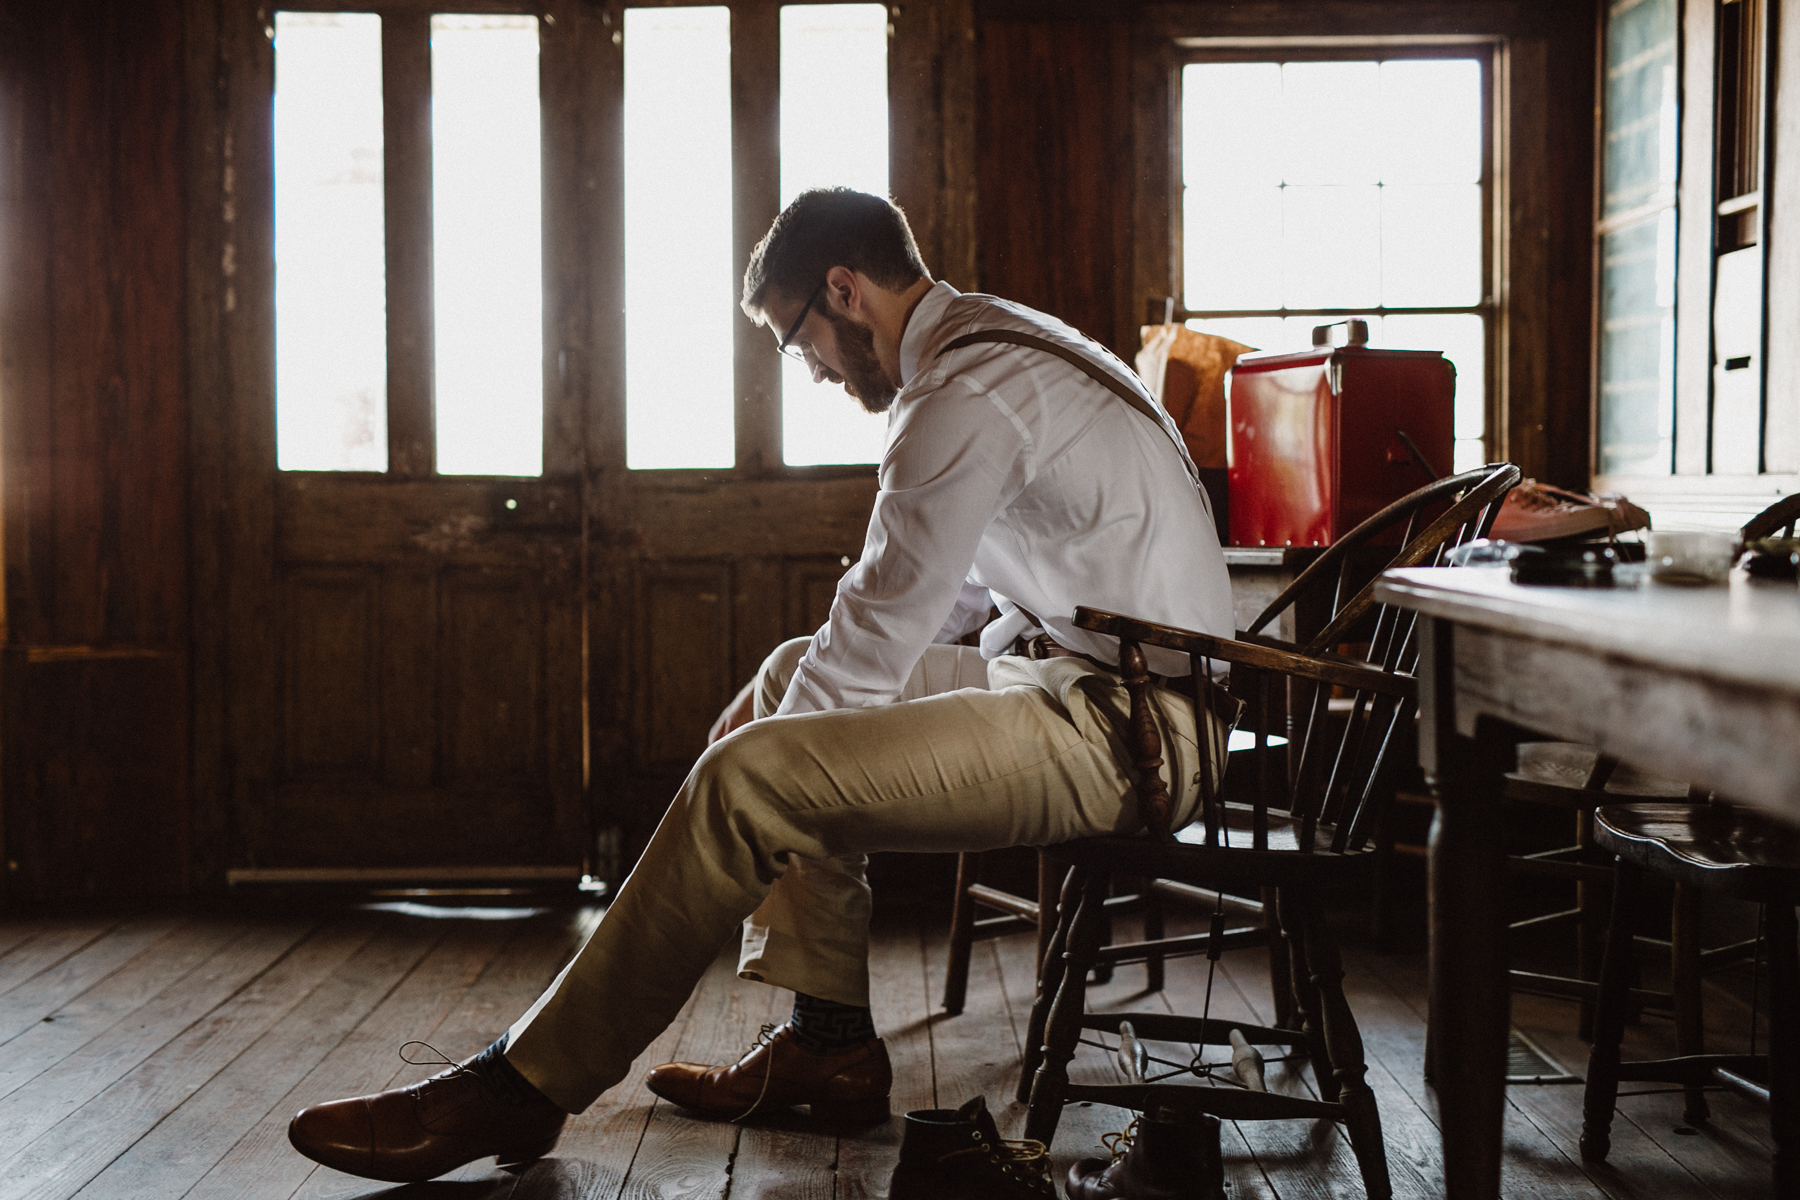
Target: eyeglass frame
<point>785,347</point>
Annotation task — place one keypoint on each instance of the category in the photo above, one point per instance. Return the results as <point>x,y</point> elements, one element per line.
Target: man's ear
<point>845,292</point>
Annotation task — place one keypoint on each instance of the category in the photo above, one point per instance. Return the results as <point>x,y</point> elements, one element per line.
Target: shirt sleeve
<point>970,613</point>
<point>955,460</point>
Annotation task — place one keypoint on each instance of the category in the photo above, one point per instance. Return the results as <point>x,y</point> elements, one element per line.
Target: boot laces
<point>1117,1144</point>
<point>1024,1159</point>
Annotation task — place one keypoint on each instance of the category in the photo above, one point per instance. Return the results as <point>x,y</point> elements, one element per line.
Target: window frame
<point>1485,51</point>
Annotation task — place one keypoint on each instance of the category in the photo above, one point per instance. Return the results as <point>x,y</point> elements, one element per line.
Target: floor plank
<point>902,1002</point>
<point>72,1150</point>
<point>47,947</point>
<point>178,1152</point>
<point>511,981</point>
<point>686,1156</point>
<point>262,1163</point>
<point>51,1038</point>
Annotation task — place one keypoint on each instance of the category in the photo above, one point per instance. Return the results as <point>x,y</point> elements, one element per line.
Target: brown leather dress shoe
<point>410,1134</point>
<point>851,1087</point>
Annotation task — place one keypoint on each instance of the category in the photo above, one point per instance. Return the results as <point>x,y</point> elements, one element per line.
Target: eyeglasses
<point>787,347</point>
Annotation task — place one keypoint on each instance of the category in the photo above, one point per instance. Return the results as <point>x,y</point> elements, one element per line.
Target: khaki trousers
<point>770,832</point>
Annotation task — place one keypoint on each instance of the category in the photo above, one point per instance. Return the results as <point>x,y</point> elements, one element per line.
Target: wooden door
<point>402,669</point>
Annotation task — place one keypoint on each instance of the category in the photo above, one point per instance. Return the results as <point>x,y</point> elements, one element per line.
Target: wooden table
<point>1701,684</point>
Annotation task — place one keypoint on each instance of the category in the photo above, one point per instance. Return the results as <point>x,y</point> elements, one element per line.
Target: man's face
<point>837,348</point>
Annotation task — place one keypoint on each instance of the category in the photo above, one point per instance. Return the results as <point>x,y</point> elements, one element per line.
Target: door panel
<point>332,696</point>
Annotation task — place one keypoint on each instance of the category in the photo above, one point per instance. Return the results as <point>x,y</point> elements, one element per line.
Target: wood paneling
<point>1054,170</point>
<point>331,663</point>
<point>490,658</point>
<point>93,377</point>
<point>684,657</point>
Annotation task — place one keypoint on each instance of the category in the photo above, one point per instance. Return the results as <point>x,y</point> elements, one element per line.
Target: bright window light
<point>834,130</point>
<point>330,255</point>
<point>1282,210</point>
<point>680,276</point>
<point>487,245</point>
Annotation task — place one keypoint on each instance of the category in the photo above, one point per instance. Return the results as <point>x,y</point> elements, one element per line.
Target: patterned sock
<point>504,1080</point>
<point>827,1027</point>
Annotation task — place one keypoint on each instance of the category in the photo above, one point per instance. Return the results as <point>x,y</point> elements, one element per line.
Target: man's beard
<point>864,379</point>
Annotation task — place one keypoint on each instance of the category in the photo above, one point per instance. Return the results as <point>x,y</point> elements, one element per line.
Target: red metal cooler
<point>1315,442</point>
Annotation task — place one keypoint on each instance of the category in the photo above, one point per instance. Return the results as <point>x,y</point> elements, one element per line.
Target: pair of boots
<point>958,1154</point>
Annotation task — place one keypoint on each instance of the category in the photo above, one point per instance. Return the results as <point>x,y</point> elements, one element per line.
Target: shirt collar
<point>921,328</point>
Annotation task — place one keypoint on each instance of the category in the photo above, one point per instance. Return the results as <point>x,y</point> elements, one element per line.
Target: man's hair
<point>832,227</point>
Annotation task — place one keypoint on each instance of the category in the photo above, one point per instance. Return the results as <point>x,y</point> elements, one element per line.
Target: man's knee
<point>777,669</point>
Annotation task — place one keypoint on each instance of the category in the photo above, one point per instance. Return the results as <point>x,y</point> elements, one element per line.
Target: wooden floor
<point>162,1056</point>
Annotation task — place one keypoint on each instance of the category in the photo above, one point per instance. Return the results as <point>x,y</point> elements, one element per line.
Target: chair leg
<point>1602,1092</point>
<point>1784,1044</point>
<point>1050,1083</point>
<point>1361,1116</point>
<point>1050,878</point>
<point>962,933</point>
<point>1590,931</point>
<point>1281,979</point>
<point>1153,932</point>
<point>1684,971</point>
<point>1306,996</point>
<point>1050,968</point>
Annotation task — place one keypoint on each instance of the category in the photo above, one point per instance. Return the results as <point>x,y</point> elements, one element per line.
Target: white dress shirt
<point>1010,475</point>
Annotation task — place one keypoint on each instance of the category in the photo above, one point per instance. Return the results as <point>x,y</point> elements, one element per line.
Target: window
<point>468,341</point>
<point>682,270</point>
<point>1318,187</point>
<point>1636,235</point>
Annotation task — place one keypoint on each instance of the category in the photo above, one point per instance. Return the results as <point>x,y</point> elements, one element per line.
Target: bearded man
<point>1027,469</point>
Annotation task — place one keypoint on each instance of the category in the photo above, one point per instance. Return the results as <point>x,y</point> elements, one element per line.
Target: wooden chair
<point>1714,847</point>
<point>1574,777</point>
<point>1296,839</point>
<point>1332,586</point>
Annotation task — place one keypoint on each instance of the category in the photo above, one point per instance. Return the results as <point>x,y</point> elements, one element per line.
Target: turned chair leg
<point>1281,980</point>
<point>1062,1034</point>
<point>1602,1092</point>
<point>1051,965</point>
<point>1590,928</point>
<point>1153,932</point>
<point>1306,996</point>
<point>962,933</point>
<point>1361,1116</point>
<point>1784,1043</point>
<point>1684,971</point>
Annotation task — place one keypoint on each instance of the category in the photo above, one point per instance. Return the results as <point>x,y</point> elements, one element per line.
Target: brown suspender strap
<point>1086,366</point>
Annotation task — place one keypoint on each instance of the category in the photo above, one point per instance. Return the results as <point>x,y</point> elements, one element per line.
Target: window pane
<point>1428,124</point>
<point>1638,160</point>
<point>680,285</point>
<point>1331,246</point>
<point>487,245</point>
<point>1430,245</point>
<point>1637,347</point>
<point>1231,124</point>
<point>330,256</point>
<point>1318,104</point>
<point>1461,340</point>
<point>1232,247</point>
<point>834,130</point>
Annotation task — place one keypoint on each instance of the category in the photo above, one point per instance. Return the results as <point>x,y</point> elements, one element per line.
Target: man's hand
<point>738,713</point>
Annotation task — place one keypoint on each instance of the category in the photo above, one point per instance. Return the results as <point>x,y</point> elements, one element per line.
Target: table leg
<point>1469,999</point>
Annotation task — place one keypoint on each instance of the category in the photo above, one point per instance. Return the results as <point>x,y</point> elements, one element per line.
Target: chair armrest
<point>1325,668</point>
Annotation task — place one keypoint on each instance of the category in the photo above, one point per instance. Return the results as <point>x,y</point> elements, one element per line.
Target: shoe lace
<point>1025,1159</point>
<point>442,1059</point>
<point>1118,1143</point>
<point>764,1037</point>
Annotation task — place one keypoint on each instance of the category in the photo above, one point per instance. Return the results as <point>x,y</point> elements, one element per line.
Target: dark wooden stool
<point>1717,848</point>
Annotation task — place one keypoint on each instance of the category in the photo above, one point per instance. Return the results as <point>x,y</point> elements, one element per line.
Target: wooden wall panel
<point>94,406</point>
<point>332,690</point>
<point>1054,159</point>
<point>684,656</point>
<point>491,679</point>
<point>811,587</point>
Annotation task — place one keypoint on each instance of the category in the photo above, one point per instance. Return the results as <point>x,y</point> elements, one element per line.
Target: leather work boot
<point>1162,1156</point>
<point>410,1134</point>
<point>958,1154</point>
<point>776,1072</point>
